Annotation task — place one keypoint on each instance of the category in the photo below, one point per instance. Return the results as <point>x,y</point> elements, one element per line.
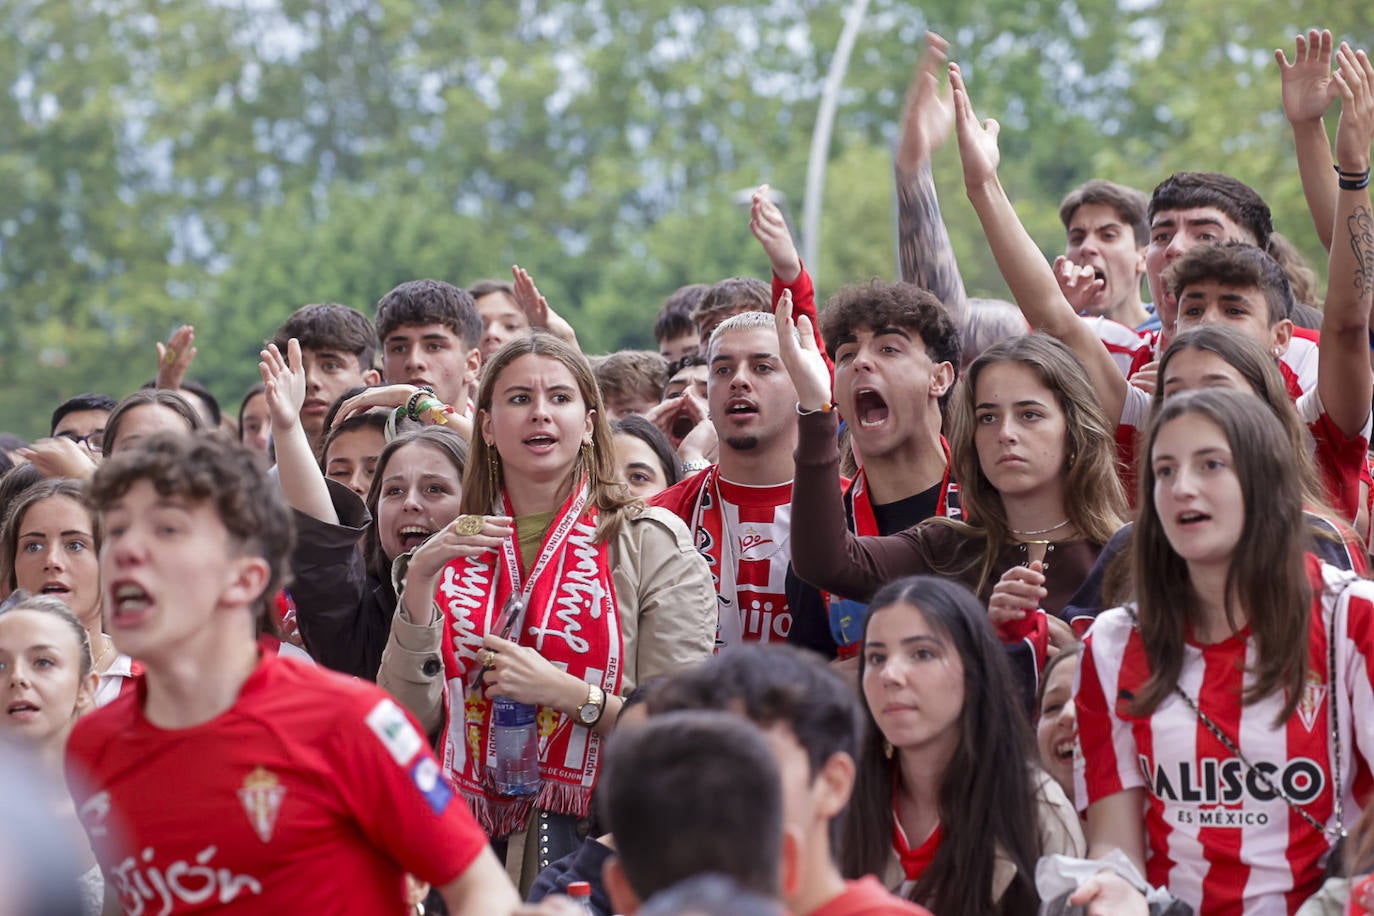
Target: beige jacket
<point>668,615</point>
<point>1060,832</point>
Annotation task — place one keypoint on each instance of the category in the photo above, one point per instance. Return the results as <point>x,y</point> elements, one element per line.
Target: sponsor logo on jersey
<point>400,738</point>
<point>1229,781</point>
<point>427,778</point>
<point>261,796</point>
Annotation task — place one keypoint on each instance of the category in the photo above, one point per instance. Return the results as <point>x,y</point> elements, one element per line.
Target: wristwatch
<point>589,713</point>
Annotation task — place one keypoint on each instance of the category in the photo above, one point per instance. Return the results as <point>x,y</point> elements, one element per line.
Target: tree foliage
<point>224,163</point>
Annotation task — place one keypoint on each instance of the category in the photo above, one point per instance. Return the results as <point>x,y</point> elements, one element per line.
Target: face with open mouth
<point>1197,494</point>
<point>169,570</point>
<point>751,396</point>
<point>420,493</point>
<point>1098,237</point>
<point>884,381</point>
<point>56,556</point>
<point>537,421</point>
<point>1056,727</point>
<point>41,687</point>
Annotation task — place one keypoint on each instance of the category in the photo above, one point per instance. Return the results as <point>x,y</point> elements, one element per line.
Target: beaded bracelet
<point>415,400</point>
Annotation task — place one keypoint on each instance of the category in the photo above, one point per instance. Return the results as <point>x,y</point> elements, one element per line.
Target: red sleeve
<point>1106,762</point>
<point>804,303</point>
<point>397,793</point>
<point>1342,462</point>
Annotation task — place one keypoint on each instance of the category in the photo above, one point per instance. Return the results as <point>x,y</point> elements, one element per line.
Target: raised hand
<point>1308,89</point>
<point>174,357</point>
<point>1079,284</point>
<point>768,226</point>
<point>927,112</point>
<point>60,457</point>
<point>1354,78</point>
<point>800,356</point>
<point>978,152</point>
<point>1146,377</point>
<point>283,379</point>
<point>536,307</point>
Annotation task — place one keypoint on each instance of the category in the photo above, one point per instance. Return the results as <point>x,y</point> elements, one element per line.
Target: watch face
<point>587,712</point>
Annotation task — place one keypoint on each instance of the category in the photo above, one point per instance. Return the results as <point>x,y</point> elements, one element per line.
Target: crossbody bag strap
<point>1333,833</point>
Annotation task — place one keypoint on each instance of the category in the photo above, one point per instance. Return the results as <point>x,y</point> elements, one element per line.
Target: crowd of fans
<point>914,604</point>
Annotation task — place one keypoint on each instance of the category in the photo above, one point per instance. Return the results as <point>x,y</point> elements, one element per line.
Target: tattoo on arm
<point>924,250</point>
<point>1361,226</point>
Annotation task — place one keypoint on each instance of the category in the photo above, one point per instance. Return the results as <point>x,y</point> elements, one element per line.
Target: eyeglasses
<point>93,442</point>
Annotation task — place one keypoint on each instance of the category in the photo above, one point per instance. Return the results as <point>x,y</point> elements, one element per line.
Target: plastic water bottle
<point>517,747</point>
<point>581,894</point>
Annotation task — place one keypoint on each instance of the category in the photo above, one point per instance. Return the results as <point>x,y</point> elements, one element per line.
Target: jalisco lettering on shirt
<point>1217,836</point>
<point>313,793</point>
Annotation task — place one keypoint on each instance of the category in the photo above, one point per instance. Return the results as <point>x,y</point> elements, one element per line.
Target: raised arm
<point>924,252</point>
<point>174,357</point>
<point>768,226</point>
<point>824,551</point>
<point>1308,91</point>
<point>1343,373</point>
<point>302,482</point>
<point>537,308</point>
<point>1028,275</point>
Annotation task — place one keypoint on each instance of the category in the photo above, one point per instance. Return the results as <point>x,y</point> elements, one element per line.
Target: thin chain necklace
<point>1062,524</point>
<point>109,647</point>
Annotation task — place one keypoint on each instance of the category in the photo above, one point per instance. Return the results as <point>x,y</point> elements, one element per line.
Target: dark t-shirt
<point>810,615</point>
<point>583,864</point>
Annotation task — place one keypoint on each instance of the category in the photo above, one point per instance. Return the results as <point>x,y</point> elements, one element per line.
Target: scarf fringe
<point>500,817</point>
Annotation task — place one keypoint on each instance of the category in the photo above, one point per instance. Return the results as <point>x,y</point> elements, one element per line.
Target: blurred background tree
<point>225,162</point>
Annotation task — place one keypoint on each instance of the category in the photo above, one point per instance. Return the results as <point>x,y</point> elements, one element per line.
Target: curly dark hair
<point>207,466</point>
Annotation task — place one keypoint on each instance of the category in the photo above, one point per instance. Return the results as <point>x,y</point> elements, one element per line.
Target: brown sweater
<point>832,558</point>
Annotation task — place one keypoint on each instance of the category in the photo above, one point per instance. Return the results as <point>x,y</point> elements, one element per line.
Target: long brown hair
<point>1261,371</point>
<point>483,479</point>
<point>1093,498</point>
<point>987,796</point>
<point>1267,575</point>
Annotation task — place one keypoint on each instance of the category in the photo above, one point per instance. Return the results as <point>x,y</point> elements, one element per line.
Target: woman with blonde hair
<point>613,593</point>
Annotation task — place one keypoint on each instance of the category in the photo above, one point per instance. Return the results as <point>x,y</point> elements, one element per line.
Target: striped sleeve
<point>1105,757</point>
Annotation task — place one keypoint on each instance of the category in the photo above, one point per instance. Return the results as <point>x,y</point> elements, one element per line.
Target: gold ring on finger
<point>487,657</point>
<point>468,525</point>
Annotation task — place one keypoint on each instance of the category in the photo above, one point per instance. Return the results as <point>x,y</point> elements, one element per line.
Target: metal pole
<point>820,137</point>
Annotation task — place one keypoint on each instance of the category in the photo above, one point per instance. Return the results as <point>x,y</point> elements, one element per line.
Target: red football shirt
<point>314,793</point>
<point>1216,835</point>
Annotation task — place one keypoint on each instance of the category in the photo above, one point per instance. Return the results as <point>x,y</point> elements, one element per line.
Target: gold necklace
<point>109,647</point>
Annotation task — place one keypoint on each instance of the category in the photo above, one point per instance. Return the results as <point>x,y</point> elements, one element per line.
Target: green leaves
<point>226,163</point>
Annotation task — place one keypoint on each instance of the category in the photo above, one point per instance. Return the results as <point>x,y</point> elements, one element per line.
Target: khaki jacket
<point>668,615</point>
<point>1060,832</point>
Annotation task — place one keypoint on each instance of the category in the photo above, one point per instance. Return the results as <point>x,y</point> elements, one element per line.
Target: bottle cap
<point>578,889</point>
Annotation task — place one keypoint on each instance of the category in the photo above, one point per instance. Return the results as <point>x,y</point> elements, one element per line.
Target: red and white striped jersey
<point>1216,836</point>
<point>1340,459</point>
<point>1122,343</point>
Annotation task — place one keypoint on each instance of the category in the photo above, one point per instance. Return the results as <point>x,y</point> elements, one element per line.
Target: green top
<point>529,532</point>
